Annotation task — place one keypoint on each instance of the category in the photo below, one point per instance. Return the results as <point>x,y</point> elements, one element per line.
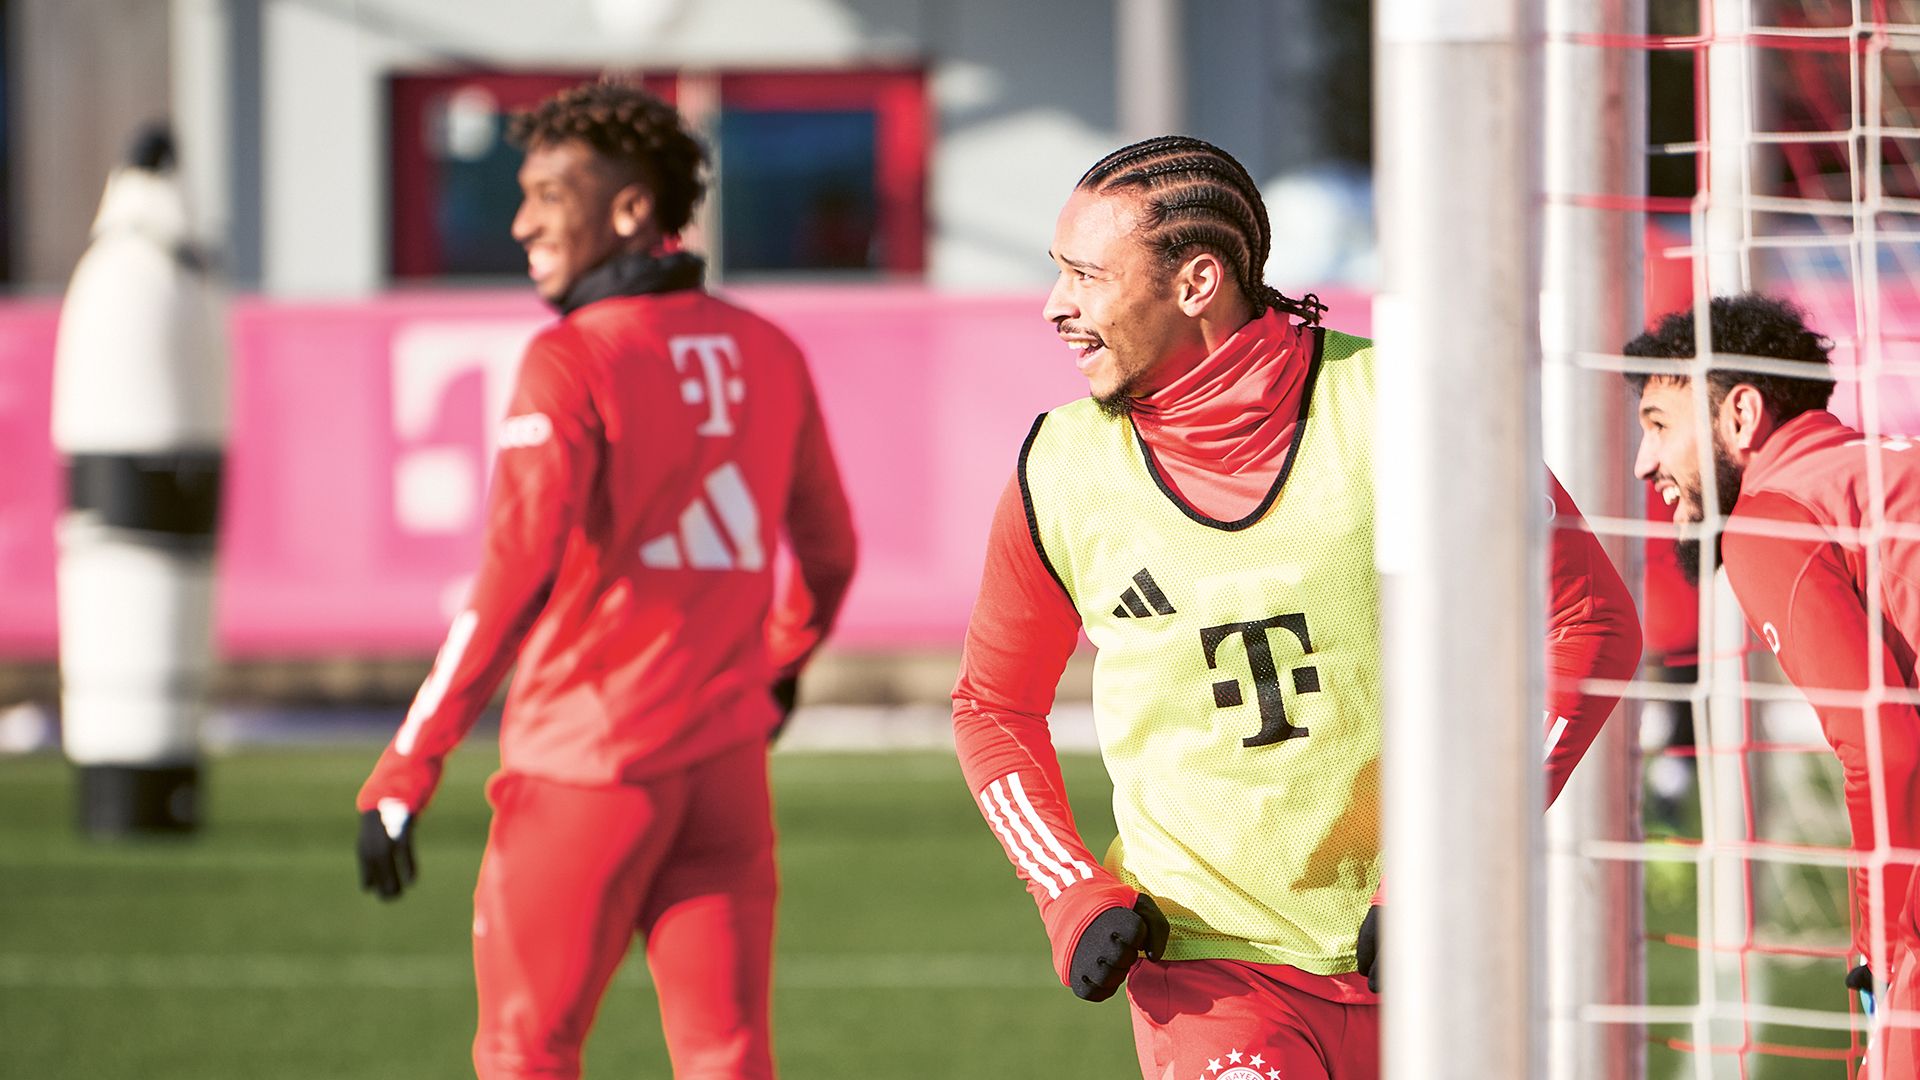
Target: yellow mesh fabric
<point>1266,852</point>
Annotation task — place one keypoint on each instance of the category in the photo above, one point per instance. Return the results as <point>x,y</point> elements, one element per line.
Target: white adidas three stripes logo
<point>1033,845</point>
<point>697,544</point>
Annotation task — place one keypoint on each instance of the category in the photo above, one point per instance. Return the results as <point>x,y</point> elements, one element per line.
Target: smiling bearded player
<point>660,442</point>
<point>1207,517</point>
<point>1783,464</point>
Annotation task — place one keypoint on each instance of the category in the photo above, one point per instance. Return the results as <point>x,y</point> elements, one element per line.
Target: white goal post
<point>1459,535</point>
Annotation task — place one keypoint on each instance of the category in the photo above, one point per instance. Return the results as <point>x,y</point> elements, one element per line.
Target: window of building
<point>797,191</point>
<point>454,175</point>
<point>822,171</point>
<point>816,172</point>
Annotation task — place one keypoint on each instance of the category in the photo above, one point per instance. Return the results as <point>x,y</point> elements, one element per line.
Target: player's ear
<point>1744,413</point>
<point>632,209</point>
<point>1199,283</point>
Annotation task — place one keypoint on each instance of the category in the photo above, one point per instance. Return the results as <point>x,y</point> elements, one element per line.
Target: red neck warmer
<point>1220,432</point>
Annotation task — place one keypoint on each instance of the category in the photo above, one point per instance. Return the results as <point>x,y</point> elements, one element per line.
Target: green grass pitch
<point>906,947</point>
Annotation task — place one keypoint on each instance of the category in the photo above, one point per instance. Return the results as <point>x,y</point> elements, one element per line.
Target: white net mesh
<point>1805,155</point>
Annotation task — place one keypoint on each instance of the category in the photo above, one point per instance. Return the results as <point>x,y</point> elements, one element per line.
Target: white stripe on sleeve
<point>1045,833</point>
<point>427,702</point>
<point>1033,845</point>
<point>1013,844</point>
<point>1559,728</point>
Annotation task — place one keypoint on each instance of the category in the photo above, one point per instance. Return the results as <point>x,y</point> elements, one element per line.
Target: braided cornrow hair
<point>1197,196</point>
<point>631,128</point>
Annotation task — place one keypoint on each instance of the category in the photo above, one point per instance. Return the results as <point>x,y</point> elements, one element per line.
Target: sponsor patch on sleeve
<point>529,429</point>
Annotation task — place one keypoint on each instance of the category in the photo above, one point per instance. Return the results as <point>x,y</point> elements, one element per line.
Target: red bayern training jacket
<point>1805,594</point>
<point>657,449</point>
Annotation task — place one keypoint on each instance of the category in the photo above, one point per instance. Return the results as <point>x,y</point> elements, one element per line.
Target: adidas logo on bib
<point>1144,600</point>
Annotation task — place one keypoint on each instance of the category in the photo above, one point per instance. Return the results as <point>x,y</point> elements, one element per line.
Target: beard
<point>1686,554</point>
<point>1115,406</point>
<point>1726,482</point>
<point>1117,403</point>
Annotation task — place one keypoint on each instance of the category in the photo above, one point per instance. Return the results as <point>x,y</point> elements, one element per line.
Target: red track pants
<point>1223,1020</point>
<point>572,873</point>
<point>1898,1047</point>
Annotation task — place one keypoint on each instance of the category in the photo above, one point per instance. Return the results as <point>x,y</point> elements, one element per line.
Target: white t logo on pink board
<point>437,487</point>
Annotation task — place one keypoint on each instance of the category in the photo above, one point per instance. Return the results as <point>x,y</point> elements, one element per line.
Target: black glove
<point>1861,979</point>
<point>1112,942</point>
<point>386,862</point>
<point>1367,948</point>
<point>784,691</point>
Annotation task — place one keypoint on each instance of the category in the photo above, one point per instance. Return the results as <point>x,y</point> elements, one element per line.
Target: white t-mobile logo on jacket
<point>698,543</point>
<point>716,382</point>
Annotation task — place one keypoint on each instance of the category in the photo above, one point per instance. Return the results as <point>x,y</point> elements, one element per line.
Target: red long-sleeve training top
<point>1220,433</point>
<point>657,449</point>
<point>1805,594</point>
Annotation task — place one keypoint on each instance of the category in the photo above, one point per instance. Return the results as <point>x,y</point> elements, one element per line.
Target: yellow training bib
<point>1237,689</point>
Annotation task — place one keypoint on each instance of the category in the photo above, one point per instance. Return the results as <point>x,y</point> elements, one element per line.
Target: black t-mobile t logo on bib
<point>1266,677</point>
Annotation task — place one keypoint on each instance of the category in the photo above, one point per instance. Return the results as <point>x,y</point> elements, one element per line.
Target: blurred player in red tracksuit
<point>659,444</point>
<point>1206,517</point>
<point>1783,464</point>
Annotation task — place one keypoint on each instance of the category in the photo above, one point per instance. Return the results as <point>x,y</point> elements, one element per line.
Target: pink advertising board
<point>29,477</point>
<point>362,436</point>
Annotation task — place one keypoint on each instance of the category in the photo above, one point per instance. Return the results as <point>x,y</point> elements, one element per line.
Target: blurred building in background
<point>338,147</point>
<point>888,174</point>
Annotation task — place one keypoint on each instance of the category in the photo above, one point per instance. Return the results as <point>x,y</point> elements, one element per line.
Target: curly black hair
<point>632,129</point>
<point>1749,324</point>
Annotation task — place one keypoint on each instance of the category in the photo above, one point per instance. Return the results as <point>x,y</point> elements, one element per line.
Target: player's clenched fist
<point>386,852</point>
<point>1366,948</point>
<point>1112,942</point>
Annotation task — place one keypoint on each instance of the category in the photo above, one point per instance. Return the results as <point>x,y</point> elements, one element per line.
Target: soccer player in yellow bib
<point>1206,517</point>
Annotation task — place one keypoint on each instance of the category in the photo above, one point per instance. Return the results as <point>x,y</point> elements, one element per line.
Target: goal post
<point>1460,535</point>
<point>1590,302</point>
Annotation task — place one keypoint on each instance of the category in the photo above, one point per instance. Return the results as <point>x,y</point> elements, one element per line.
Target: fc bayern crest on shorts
<point>1238,1066</point>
